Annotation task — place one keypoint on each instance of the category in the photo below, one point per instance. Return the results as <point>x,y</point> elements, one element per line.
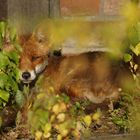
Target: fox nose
<point>26,75</point>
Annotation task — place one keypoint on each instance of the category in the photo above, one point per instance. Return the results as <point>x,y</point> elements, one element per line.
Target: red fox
<point>91,75</point>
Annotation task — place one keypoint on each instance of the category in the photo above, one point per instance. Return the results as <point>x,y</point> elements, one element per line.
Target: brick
<point>79,7</point>
<point>112,7</point>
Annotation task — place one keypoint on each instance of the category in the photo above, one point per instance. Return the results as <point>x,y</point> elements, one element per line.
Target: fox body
<point>91,75</point>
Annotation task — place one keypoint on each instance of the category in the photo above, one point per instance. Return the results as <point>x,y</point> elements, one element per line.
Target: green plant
<point>132,26</point>
<point>120,118</point>
<point>9,60</point>
<point>55,116</point>
<point>50,117</point>
<point>125,116</point>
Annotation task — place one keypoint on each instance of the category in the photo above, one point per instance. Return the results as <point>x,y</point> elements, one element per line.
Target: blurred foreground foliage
<point>126,116</point>
<point>57,117</point>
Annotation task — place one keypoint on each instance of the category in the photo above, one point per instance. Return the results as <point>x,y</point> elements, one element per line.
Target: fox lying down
<point>91,75</point>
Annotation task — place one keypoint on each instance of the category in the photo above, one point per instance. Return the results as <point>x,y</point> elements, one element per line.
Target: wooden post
<point>26,14</point>
<point>3,9</point>
<point>54,8</point>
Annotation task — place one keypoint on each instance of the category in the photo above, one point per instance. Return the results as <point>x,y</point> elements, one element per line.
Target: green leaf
<point>133,35</point>
<point>2,28</point>
<point>43,116</point>
<point>18,47</point>
<point>13,34</point>
<point>13,55</point>
<point>16,74</point>
<point>4,61</point>
<point>3,80</point>
<point>66,98</point>
<point>136,49</point>
<point>78,105</point>
<point>20,99</point>
<point>7,82</point>
<point>0,121</point>
<point>11,84</point>
<point>138,29</point>
<point>1,42</point>
<point>26,90</point>
<point>127,57</point>
<point>4,95</point>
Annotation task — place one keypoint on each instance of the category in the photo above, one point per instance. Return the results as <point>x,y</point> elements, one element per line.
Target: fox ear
<point>40,36</point>
<point>55,53</point>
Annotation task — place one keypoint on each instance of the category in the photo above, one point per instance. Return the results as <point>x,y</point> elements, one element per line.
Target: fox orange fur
<point>91,75</point>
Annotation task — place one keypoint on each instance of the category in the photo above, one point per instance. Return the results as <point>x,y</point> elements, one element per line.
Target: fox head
<point>34,57</point>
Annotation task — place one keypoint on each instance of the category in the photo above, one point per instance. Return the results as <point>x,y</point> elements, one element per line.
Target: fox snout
<point>28,76</point>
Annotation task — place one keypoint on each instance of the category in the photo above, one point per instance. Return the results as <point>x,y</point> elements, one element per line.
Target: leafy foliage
<point>55,116</point>
<point>9,60</point>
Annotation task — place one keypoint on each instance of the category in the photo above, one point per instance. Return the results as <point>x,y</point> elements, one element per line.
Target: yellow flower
<point>38,135</point>
<point>61,117</point>
<point>47,128</point>
<point>87,119</point>
<point>56,108</point>
<point>59,137</point>
<point>96,116</point>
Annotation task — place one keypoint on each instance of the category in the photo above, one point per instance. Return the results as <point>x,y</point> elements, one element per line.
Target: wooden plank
<point>54,8</point>
<point>3,9</point>
<point>27,13</point>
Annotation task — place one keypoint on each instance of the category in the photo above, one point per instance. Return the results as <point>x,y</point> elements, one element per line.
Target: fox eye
<point>35,58</point>
<point>40,40</point>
